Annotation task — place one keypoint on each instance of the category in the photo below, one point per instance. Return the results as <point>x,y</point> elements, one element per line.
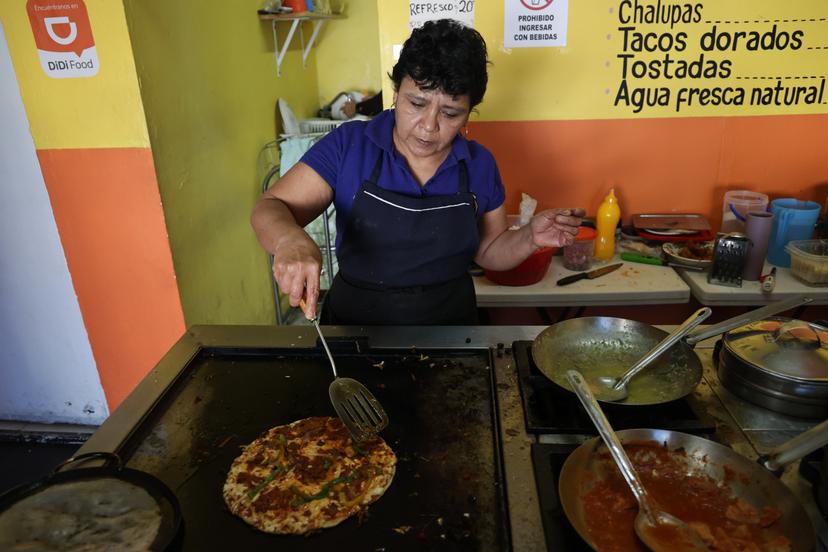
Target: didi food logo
<point>63,37</point>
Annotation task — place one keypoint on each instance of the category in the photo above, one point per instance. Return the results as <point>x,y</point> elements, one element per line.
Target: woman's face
<point>426,121</point>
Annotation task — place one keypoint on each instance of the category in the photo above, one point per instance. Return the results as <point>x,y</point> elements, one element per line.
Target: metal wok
<point>745,479</point>
<point>605,346</point>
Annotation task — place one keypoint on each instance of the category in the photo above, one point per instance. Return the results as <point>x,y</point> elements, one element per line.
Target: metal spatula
<point>356,406</point>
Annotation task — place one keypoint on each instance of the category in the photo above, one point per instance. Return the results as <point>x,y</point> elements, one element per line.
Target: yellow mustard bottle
<point>608,214</point>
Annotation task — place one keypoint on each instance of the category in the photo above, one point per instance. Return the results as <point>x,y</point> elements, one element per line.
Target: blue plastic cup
<point>793,220</point>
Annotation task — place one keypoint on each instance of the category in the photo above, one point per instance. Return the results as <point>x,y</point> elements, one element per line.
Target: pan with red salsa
<point>725,522</point>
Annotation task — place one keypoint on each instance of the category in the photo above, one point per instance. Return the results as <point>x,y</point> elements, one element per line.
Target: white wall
<point>47,371</point>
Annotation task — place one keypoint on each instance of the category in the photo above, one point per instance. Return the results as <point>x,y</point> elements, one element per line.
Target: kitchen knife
<point>591,274</point>
<point>647,259</point>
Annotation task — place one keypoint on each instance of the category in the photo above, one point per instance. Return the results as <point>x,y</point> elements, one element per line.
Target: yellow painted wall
<point>208,80</point>
<point>581,80</point>
<point>103,111</point>
<point>347,56</point>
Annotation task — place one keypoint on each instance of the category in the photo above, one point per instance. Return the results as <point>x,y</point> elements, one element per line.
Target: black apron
<point>404,260</point>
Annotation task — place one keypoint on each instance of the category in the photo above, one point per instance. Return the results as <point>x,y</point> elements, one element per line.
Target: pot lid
<point>782,346</point>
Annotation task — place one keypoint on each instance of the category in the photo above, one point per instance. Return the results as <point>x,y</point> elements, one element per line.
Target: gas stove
<point>552,411</point>
<point>547,461</point>
<point>556,417</point>
<point>558,424</point>
<point>812,469</point>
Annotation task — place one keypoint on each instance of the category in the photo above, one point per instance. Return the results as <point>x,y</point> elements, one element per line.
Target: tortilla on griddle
<point>90,515</point>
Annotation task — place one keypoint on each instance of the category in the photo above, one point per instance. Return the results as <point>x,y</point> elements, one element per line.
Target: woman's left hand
<point>556,227</point>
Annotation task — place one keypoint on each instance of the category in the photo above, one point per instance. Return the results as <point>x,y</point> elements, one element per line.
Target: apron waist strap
<point>355,282</point>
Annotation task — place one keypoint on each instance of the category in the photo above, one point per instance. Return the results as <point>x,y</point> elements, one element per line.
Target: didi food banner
<point>63,36</point>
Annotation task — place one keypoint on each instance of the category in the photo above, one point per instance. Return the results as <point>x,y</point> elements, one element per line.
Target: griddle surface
<point>448,490</point>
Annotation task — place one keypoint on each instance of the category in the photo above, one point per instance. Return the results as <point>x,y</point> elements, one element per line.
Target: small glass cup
<point>578,256</point>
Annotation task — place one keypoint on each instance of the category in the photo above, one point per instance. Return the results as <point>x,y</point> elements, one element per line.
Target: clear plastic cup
<point>736,205</point>
<point>578,256</point>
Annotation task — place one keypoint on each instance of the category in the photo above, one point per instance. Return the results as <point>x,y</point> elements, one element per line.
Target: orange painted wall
<point>108,209</point>
<point>659,165</point>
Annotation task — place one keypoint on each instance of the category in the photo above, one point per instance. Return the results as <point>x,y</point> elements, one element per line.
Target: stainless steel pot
<point>778,363</point>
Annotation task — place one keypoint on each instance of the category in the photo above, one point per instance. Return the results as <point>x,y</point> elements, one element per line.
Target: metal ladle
<point>659,530</point>
<point>608,388</point>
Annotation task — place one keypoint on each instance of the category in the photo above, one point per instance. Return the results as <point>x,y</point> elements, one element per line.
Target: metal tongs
<point>355,405</point>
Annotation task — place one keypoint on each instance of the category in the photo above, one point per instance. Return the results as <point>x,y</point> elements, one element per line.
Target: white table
<point>632,284</point>
<point>750,293</point>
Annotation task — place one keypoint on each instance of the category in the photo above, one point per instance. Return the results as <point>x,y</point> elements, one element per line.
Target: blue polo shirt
<point>346,156</point>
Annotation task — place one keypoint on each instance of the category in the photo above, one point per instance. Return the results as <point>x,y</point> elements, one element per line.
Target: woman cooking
<point>416,202</point>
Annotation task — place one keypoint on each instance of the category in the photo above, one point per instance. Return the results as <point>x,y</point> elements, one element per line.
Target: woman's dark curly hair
<point>447,56</point>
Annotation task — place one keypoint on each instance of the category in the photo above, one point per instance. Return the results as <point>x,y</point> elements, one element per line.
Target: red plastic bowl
<point>529,272</point>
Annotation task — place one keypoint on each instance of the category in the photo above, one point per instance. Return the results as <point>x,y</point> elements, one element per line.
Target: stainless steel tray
<point>671,221</point>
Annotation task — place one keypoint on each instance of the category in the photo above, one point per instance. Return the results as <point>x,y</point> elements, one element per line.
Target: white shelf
<point>295,22</point>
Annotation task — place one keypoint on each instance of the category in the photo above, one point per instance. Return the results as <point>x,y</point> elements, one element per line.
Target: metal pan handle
<point>687,326</point>
<point>609,436</point>
<point>796,448</point>
<point>747,318</point>
<point>110,456</point>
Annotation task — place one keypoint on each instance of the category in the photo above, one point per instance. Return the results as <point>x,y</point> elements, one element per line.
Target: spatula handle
<point>686,327</point>
<point>609,436</point>
<point>315,321</point>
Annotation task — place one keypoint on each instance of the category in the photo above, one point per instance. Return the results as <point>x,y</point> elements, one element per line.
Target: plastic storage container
<point>578,256</point>
<point>736,205</point>
<point>530,271</point>
<point>809,261</point>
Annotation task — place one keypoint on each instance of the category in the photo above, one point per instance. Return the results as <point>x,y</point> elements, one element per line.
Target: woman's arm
<point>278,219</point>
<point>502,249</point>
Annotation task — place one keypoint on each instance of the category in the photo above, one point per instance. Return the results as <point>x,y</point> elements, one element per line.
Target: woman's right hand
<point>278,218</point>
<point>555,227</point>
<point>297,264</point>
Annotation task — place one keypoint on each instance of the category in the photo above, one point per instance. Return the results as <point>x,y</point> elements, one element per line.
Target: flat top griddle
<point>448,491</point>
